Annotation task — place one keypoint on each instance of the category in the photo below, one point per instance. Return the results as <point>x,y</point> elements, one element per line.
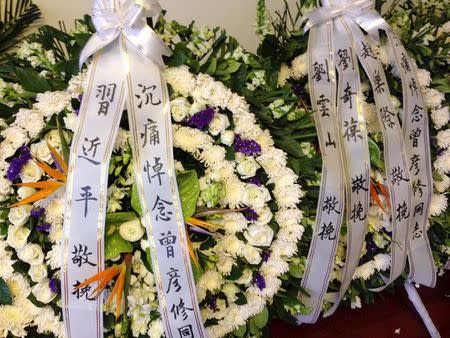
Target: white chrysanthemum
<point>300,66</point>
<point>442,185</point>
<point>433,98</point>
<point>48,321</point>
<point>210,281</point>
<point>231,244</point>
<point>53,257</point>
<point>440,117</point>
<point>442,163</point>
<point>189,139</point>
<point>423,77</point>
<point>382,262</point>
<point>50,103</point>
<point>288,197</point>
<point>283,75</point>
<point>233,222</point>
<point>71,122</point>
<point>364,271</point>
<point>438,204</point>
<point>19,286</point>
<point>13,320</point>
<point>225,264</point>
<point>443,139</point>
<point>234,194</point>
<point>6,267</point>
<point>30,120</point>
<point>213,155</point>
<point>181,80</point>
<point>78,84</point>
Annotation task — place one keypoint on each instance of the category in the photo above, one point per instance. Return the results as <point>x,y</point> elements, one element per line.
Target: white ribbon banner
<point>336,43</point>
<point>127,67</point>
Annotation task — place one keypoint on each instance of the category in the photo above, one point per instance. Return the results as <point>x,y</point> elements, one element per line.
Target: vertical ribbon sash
<point>337,26</point>
<point>127,66</point>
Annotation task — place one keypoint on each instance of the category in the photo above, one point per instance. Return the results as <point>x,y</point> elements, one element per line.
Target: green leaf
<point>375,154</point>
<point>115,245</point>
<point>229,67</point>
<point>189,190</point>
<point>64,145</point>
<point>119,217</point>
<point>261,319</point>
<point>290,146</point>
<point>32,81</point>
<point>295,270</point>
<point>5,293</point>
<point>212,67</point>
<point>240,331</point>
<point>135,203</point>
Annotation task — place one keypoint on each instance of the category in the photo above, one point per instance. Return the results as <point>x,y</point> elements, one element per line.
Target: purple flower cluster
<point>266,255</point>
<point>201,119</point>
<point>256,181</point>
<point>77,110</point>
<point>300,92</point>
<point>16,165</point>
<point>251,215</point>
<point>37,212</point>
<point>54,284</point>
<point>43,227</point>
<point>371,246</point>
<point>247,147</point>
<point>259,280</point>
<point>211,302</point>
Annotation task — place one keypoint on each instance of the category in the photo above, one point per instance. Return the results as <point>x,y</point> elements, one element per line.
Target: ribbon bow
<point>336,44</point>
<point>128,19</point>
<point>127,70</point>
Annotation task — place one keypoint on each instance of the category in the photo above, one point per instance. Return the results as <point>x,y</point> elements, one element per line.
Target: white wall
<point>236,16</point>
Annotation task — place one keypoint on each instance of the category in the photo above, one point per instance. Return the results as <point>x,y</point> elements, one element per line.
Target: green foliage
<point>5,293</point>
<point>189,190</point>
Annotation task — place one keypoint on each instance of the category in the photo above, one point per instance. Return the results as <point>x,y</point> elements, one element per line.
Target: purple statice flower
<point>266,255</point>
<point>43,227</point>
<point>247,147</point>
<point>77,110</point>
<point>251,215</point>
<point>54,284</point>
<point>16,165</point>
<point>371,246</point>
<point>300,92</point>
<point>259,280</point>
<point>256,181</point>
<point>211,302</point>
<point>37,212</point>
<point>201,119</point>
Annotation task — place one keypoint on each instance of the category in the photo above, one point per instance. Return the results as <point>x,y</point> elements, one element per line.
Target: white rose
<point>248,167</point>
<point>37,273</point>
<point>264,215</point>
<point>17,236</point>
<point>255,196</point>
<point>31,254</point>
<point>31,172</point>
<point>156,329</point>
<point>24,192</point>
<point>252,255</point>
<point>227,137</point>
<point>19,215</point>
<point>131,231</point>
<point>180,108</point>
<point>42,151</point>
<point>42,292</point>
<point>259,235</point>
<point>53,138</point>
<point>71,121</point>
<point>219,123</point>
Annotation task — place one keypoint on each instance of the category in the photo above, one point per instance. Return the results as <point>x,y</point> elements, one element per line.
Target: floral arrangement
<point>239,200</point>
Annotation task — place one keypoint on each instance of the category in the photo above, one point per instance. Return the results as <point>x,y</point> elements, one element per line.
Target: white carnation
<point>50,103</point>
<point>30,120</point>
<point>71,121</point>
<point>364,271</point>
<point>77,84</point>
<point>438,204</point>
<point>180,108</point>
<point>156,329</point>
<point>5,187</point>
<point>16,136</point>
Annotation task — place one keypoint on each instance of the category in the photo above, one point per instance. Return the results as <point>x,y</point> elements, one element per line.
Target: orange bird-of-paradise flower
<point>46,188</point>
<point>105,277</point>
<point>376,198</point>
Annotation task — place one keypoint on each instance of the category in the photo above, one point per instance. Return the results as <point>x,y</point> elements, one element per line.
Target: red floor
<point>380,320</point>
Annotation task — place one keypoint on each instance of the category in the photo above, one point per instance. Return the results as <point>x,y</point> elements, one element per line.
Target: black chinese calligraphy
<point>320,71</point>
<point>154,171</point>
<point>174,283</point>
<point>387,117</point>
<point>367,51</point>
<point>180,310</point>
<point>344,58</point>
<point>405,63</point>
<point>89,148</point>
<point>150,136</point>
<point>86,196</point>
<point>146,95</point>
<point>379,84</point>
<point>414,137</point>
<point>417,187</point>
<point>328,232</point>
<point>82,292</point>
<point>331,204</point>
<point>330,142</point>
<point>105,94</point>
<point>402,211</point>
<point>359,183</point>
<point>168,241</point>
<point>417,233</point>
<point>357,214</point>
<point>161,206</point>
<point>419,209</point>
<point>398,176</point>
<point>80,255</point>
<point>413,87</point>
<point>347,97</point>
<point>352,131</point>
<point>417,114</point>
<point>323,105</point>
<point>186,331</point>
<point>415,161</point>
